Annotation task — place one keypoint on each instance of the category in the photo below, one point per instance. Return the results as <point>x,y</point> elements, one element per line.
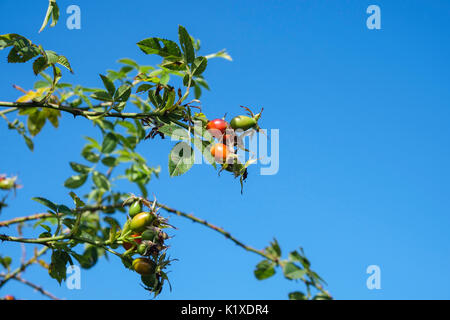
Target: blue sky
<point>364,128</point>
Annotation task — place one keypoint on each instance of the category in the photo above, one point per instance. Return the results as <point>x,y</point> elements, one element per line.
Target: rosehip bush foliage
<point>136,104</point>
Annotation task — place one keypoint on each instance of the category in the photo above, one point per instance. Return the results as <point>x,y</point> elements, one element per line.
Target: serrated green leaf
<point>122,93</point>
<point>199,65</point>
<point>62,60</point>
<point>52,56</point>
<point>22,51</point>
<point>186,45</point>
<point>109,85</point>
<point>101,95</point>
<point>175,132</point>
<point>181,159</point>
<point>39,65</point>
<point>168,49</point>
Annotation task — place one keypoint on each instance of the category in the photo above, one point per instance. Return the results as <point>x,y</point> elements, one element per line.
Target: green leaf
<point>88,259</point>
<point>5,262</point>
<point>199,65</point>
<point>174,131</point>
<point>181,159</point>
<point>29,142</point>
<point>221,54</point>
<point>292,271</point>
<point>265,269</point>
<point>52,11</point>
<point>46,203</point>
<point>89,155</point>
<point>62,60</point>
<point>129,62</point>
<point>100,180</point>
<point>52,56</point>
<point>57,267</point>
<point>204,147</point>
<point>187,77</point>
<point>321,296</point>
<point>36,122</point>
<point>80,168</point>
<point>297,295</point>
<point>39,65</point>
<point>109,143</point>
<point>122,93</point>
<point>144,87</point>
<point>23,49</point>
<point>110,161</point>
<point>109,85</point>
<point>186,44</point>
<point>295,256</point>
<point>165,77</point>
<point>75,182</point>
<point>55,14</point>
<point>47,228</point>
<point>94,143</point>
<point>197,92</point>
<point>154,98</point>
<point>274,249</point>
<point>64,209</point>
<point>78,202</point>
<point>168,49</point>
<point>101,95</point>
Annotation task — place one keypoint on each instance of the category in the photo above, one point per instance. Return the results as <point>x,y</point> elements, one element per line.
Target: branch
<point>38,216</point>
<point>13,274</point>
<point>220,230</point>
<point>163,206</point>
<point>74,111</point>
<point>34,286</point>
<point>239,243</point>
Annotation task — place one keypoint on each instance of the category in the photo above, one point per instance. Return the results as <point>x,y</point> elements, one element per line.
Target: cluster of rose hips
<point>143,235</point>
<point>225,133</point>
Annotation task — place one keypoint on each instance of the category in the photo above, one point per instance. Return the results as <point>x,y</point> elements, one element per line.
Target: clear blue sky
<point>364,142</point>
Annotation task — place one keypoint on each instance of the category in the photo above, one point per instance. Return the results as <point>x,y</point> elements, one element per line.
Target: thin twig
<point>38,216</point>
<point>22,267</point>
<point>34,286</point>
<point>75,111</point>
